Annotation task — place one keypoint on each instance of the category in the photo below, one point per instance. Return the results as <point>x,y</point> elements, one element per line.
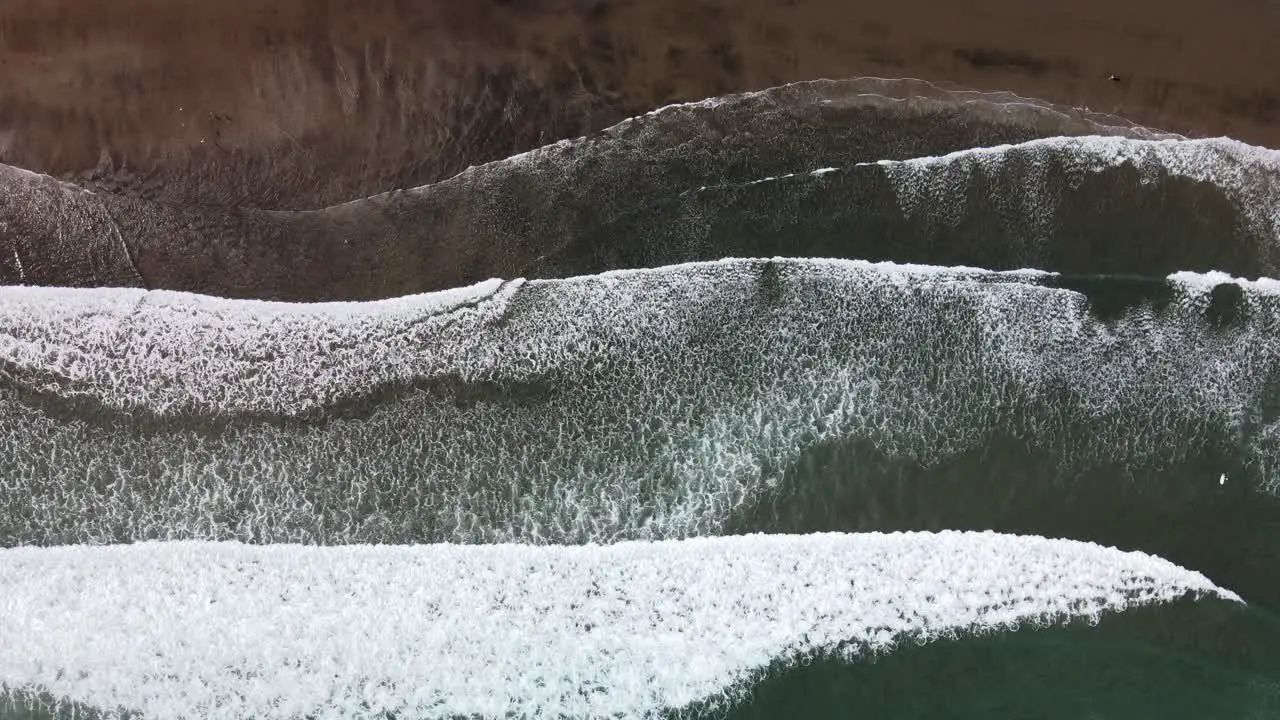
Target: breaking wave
<point>626,630</point>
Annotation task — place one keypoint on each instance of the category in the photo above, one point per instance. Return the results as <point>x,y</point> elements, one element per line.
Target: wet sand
<point>305,103</point>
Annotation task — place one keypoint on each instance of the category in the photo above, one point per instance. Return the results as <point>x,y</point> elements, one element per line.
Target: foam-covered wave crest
<point>1072,204</point>
<point>168,354</point>
<point>174,630</point>
<point>632,405</point>
<point>163,354</point>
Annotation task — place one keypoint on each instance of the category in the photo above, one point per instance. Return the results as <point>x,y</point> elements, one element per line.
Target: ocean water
<point>979,417</point>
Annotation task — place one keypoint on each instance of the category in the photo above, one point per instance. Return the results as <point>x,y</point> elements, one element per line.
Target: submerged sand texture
<point>289,104</point>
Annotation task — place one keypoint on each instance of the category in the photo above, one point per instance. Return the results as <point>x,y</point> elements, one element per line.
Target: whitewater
<point>775,393</point>
<point>634,404</point>
<point>175,630</point>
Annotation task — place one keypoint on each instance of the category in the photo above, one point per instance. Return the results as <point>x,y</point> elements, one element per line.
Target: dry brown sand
<point>303,103</point>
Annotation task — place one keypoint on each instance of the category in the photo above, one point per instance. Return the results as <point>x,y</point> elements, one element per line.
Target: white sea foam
<point>638,404</point>
<point>179,630</point>
<point>1247,174</point>
<point>1204,282</point>
<point>163,352</point>
<point>168,350</point>
<point>935,188</point>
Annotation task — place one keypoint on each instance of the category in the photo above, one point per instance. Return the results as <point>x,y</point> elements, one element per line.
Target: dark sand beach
<point>305,103</point>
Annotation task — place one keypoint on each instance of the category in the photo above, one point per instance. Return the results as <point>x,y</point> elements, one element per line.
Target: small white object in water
<point>1222,479</point>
